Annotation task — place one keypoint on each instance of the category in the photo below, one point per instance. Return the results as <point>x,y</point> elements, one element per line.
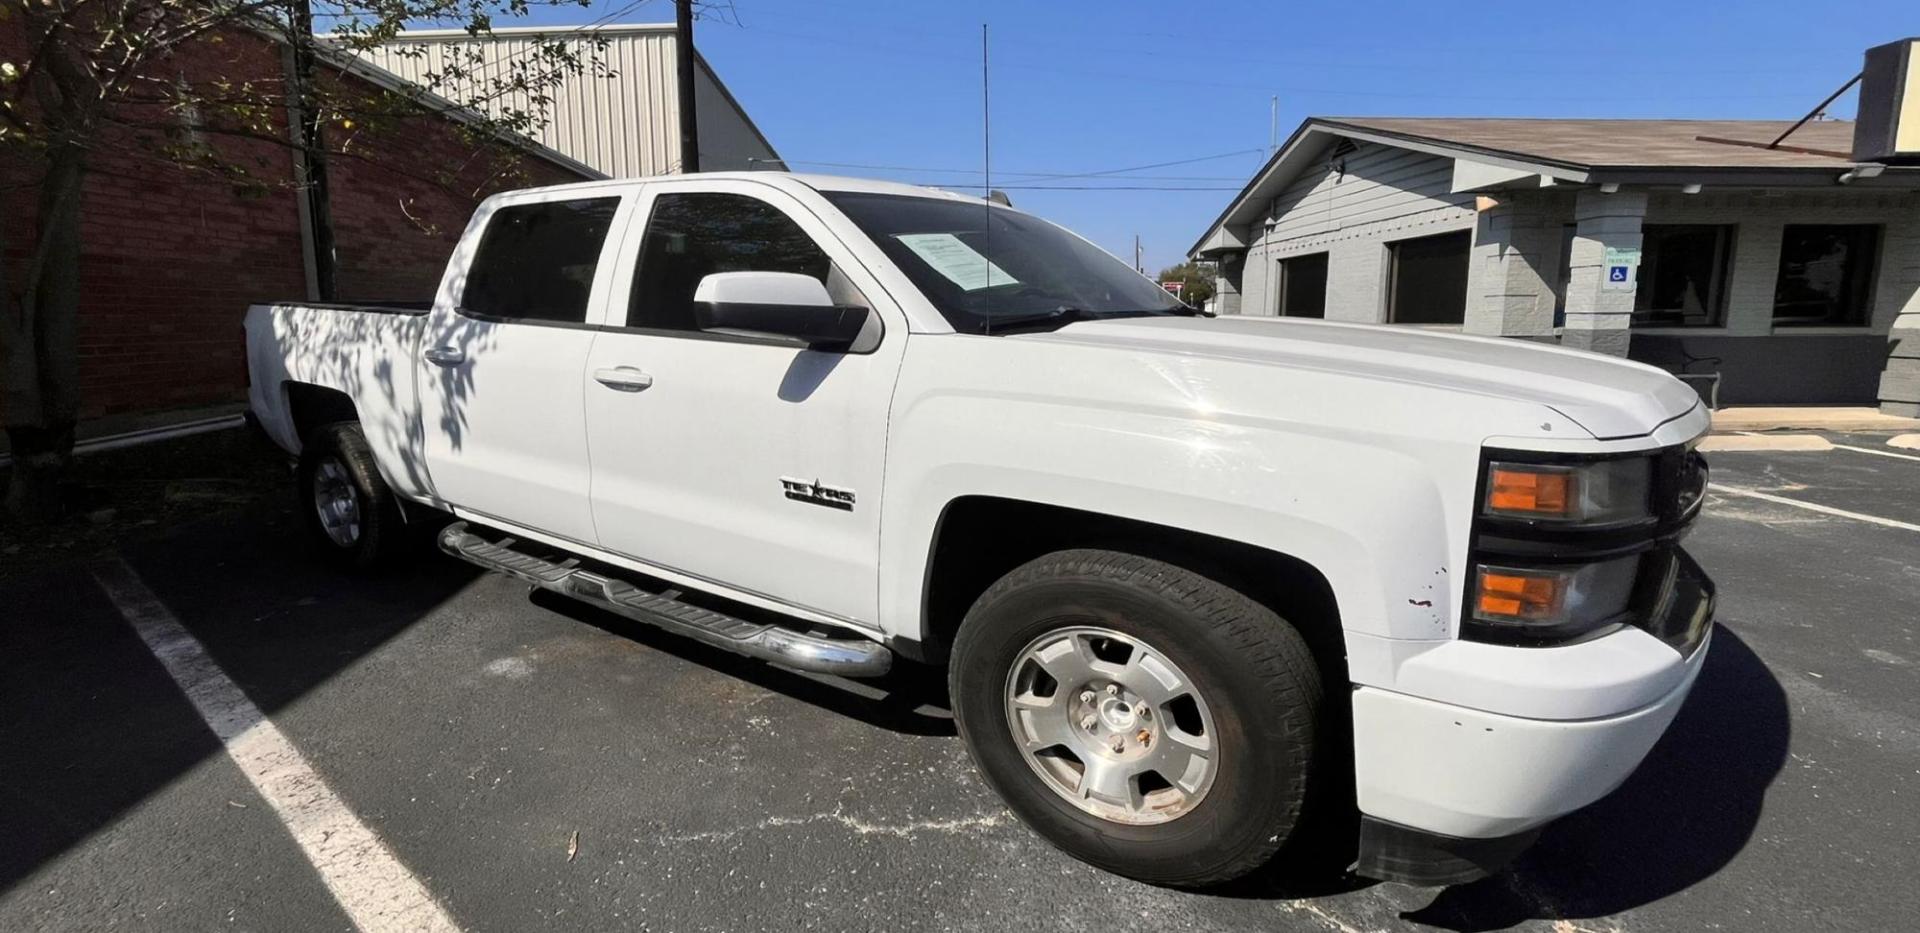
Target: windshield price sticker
<point>953,258</point>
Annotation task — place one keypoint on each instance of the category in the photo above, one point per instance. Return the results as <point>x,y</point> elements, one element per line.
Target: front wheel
<point>1140,716</point>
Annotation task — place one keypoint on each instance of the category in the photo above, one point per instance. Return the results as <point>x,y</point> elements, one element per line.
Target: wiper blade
<point>1068,314</point>
<point>1061,316</point>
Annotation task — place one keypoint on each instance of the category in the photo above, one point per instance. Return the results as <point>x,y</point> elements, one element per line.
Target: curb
<point>148,435</point>
<point>1765,442</point>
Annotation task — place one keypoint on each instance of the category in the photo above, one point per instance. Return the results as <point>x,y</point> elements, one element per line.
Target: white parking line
<point>363,875</point>
<point>1813,507</point>
<point>1878,453</point>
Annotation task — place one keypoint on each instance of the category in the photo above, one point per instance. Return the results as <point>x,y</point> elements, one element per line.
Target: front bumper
<point>1470,785</point>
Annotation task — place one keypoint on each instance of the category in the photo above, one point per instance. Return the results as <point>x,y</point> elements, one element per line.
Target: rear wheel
<point>1138,715</point>
<point>350,513</point>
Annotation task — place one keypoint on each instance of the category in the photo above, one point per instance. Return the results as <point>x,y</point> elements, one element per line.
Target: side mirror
<point>776,304</point>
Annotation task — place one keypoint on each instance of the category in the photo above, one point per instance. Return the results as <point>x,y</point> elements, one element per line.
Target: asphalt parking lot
<point>538,765</point>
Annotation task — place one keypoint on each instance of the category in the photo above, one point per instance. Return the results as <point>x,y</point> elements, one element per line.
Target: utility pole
<point>683,59</point>
<point>1137,266</point>
<point>313,150</point>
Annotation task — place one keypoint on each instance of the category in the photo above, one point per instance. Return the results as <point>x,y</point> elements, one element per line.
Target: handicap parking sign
<point>1616,273</point>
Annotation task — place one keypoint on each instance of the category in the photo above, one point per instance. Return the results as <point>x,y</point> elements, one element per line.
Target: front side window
<point>1429,279</point>
<point>691,236</point>
<point>536,261</point>
<point>1826,275</point>
<point>1683,273</point>
<point>985,267</point>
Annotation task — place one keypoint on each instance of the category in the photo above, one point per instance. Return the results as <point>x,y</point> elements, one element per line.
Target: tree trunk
<point>42,344</point>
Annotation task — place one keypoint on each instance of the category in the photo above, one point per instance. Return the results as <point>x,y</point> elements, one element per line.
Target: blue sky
<point>1082,87</point>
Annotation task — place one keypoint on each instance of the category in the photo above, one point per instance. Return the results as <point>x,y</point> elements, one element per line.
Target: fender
<point>363,352</point>
<point>1205,450</point>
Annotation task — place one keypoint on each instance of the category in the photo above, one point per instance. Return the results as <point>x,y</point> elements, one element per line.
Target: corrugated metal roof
<point>619,115</point>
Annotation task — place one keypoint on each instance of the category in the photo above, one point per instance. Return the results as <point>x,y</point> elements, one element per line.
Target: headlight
<point>1550,603</point>
<point>1603,492</point>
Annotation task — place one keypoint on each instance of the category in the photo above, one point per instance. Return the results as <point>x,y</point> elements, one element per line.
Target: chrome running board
<point>846,657</point>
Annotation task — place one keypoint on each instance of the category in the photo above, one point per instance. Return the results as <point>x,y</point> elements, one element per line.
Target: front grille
<point>1679,484</point>
<point>1676,600</point>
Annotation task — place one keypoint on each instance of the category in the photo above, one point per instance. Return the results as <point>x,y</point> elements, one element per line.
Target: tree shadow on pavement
<point>1685,814</point>
<point>91,726</point>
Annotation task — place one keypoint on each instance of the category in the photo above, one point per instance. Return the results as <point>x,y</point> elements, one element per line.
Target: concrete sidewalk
<point>1809,418</point>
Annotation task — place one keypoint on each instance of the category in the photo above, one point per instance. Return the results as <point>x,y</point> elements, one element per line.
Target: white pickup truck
<point>1189,578</point>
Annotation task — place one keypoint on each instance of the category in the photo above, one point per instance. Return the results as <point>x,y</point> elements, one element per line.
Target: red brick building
<point>171,257</point>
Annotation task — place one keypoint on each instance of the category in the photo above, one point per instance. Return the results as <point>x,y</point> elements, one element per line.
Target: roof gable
<point>1566,151</point>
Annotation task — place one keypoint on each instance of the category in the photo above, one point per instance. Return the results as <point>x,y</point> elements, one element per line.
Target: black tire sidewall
<point>379,510</point>
<point>1264,742</point>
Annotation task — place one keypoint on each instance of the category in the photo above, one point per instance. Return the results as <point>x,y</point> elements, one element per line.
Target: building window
<point>1303,286</point>
<point>1683,275</point>
<point>1428,282</point>
<point>536,261</point>
<point>1826,275</point>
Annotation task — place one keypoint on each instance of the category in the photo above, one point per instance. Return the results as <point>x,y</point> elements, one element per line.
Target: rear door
<point>502,367</point>
<point>727,458</point>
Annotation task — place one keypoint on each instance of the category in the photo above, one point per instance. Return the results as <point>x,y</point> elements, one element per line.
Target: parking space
<point>537,764</point>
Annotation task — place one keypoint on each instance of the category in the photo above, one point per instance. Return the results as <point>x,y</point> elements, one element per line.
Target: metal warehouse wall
<point>626,124</point>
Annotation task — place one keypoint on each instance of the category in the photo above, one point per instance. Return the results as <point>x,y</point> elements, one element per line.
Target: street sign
<point>1622,267</point>
<point>1174,286</point>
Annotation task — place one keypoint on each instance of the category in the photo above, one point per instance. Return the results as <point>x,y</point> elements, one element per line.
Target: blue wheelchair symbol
<point>1616,273</point>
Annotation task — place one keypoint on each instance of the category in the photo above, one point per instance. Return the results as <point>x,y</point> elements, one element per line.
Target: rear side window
<point>691,236</point>
<point>536,261</point>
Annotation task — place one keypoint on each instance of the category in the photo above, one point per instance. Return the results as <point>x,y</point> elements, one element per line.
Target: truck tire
<point>351,515</point>
<point>1138,715</point>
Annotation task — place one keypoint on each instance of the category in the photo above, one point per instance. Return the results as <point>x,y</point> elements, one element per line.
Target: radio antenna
<point>986,120</point>
<point>986,184</point>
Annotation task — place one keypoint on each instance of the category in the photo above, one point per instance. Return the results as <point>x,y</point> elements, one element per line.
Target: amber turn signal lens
<point>1537,492</point>
<point>1507,595</point>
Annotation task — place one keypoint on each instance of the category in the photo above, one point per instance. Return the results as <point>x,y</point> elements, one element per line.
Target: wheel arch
<point>309,406</point>
<point>959,568</point>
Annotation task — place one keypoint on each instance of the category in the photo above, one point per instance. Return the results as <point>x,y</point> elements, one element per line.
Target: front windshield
<point>984,266</point>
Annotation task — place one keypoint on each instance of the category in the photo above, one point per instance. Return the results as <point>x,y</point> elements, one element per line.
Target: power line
<point>945,184</point>
<point>1142,168</point>
<point>869,166</point>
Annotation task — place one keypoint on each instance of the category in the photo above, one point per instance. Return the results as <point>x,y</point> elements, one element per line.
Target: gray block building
<point>1782,275</point>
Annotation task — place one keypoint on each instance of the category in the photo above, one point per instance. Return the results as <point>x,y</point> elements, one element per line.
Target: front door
<point>730,458</point>
<point>502,372</point>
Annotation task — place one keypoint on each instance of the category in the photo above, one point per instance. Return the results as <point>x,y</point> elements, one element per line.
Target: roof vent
<point>1888,127</point>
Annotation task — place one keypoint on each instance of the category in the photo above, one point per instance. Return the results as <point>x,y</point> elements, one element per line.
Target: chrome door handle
<point>446,356</point>
<point>622,378</point>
